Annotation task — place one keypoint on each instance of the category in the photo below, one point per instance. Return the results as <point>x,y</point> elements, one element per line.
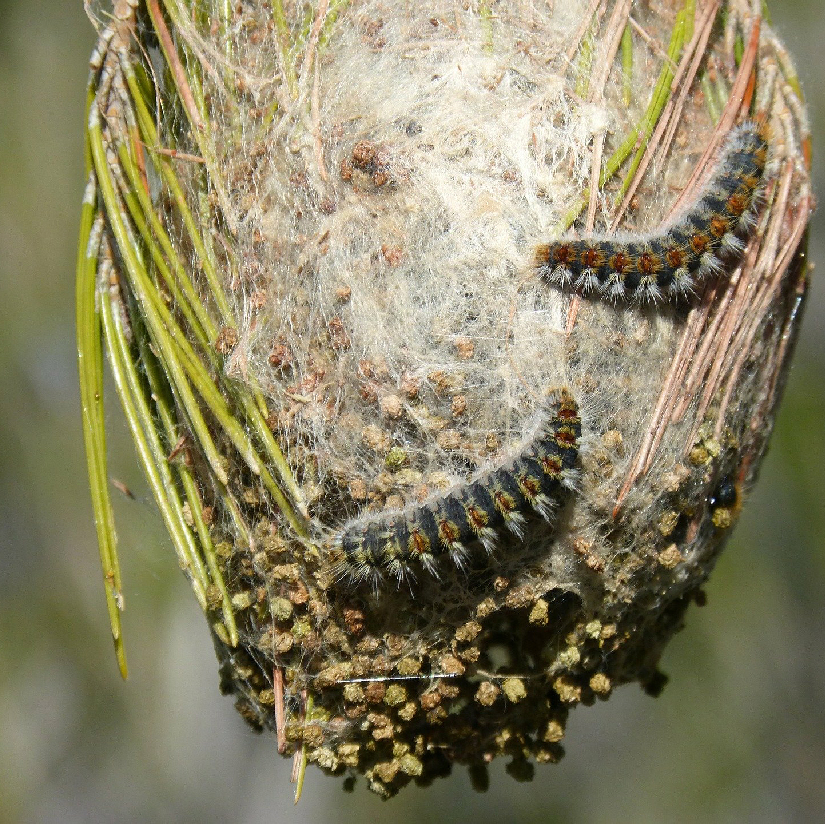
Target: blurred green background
<point>738,734</point>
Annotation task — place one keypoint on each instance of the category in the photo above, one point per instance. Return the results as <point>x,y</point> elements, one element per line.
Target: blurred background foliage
<point>738,734</point>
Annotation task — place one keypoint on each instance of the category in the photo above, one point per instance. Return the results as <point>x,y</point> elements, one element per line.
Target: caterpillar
<point>471,514</point>
<point>700,242</point>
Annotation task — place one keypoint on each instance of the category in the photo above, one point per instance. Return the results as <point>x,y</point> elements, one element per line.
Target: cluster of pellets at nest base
<point>520,446</point>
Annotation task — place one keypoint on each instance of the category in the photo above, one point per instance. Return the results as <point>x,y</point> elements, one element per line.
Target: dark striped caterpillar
<point>470,514</point>
<point>675,260</point>
<point>702,241</point>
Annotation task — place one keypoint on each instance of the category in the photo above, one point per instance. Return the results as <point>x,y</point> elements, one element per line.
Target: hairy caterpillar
<point>470,514</point>
<point>702,241</point>
<point>674,261</point>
